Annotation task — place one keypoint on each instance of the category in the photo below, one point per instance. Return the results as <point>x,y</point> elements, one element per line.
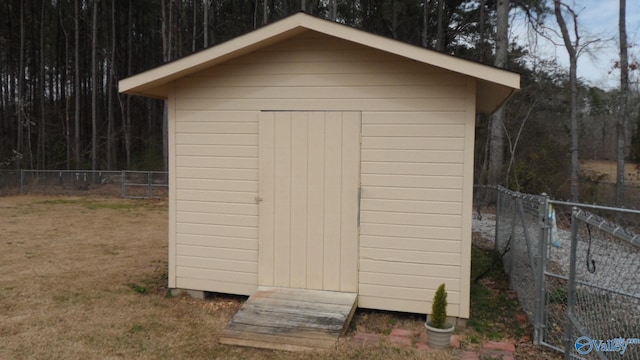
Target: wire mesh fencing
<point>603,304</point>
<point>601,296</point>
<point>129,184</point>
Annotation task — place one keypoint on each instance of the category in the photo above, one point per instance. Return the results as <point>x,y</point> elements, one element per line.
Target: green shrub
<point>439,308</point>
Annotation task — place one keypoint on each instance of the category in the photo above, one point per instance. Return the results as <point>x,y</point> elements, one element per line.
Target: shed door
<point>309,177</point>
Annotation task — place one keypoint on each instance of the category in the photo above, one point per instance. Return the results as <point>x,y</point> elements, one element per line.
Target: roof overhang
<point>494,85</point>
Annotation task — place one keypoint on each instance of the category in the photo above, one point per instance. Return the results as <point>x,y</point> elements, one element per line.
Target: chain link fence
<point>603,302</point>
<point>601,296</point>
<point>128,184</point>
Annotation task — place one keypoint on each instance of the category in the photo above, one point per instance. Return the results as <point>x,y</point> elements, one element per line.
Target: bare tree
<point>572,47</point>
<point>21,80</point>
<point>496,130</point>
<point>77,86</point>
<point>425,22</point>
<point>43,118</point>
<point>440,27</point>
<point>621,123</point>
<point>112,75</point>
<point>94,86</point>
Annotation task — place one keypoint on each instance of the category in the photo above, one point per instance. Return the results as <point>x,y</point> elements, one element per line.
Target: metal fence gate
<point>577,274</point>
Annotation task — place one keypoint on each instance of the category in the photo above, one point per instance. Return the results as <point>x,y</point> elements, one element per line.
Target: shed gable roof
<point>494,85</point>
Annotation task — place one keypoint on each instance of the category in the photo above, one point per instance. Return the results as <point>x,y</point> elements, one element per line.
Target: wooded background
<point>60,63</point>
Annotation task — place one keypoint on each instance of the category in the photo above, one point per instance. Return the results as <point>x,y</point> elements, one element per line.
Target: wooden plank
<point>434,91</point>
<point>216,116</point>
<point>332,200</point>
<point>217,241</point>
<point>266,198</point>
<point>416,156</point>
<point>216,173</point>
<point>227,127</point>
<point>229,162</point>
<point>399,193</point>
<point>301,305</point>
<point>423,117</point>
<point>412,206</point>
<point>291,319</point>
<point>218,150</point>
<point>423,143</point>
<point>338,103</point>
<point>299,193</point>
<point>218,207</point>
<point>410,256</point>
<point>423,244</point>
<point>216,139</point>
<point>407,280</point>
<point>412,130</point>
<point>217,264</point>
<point>218,185</point>
<point>387,267</point>
<point>217,253</point>
<point>312,296</point>
<point>412,181</point>
<point>206,274</point>
<point>400,218</point>
<point>268,80</point>
<point>315,226</point>
<point>282,200</point>
<point>219,230</point>
<point>217,219</point>
<point>350,207</point>
<point>429,169</point>
<point>411,231</point>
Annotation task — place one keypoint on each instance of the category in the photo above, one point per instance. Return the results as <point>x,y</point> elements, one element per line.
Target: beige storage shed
<point>308,154</point>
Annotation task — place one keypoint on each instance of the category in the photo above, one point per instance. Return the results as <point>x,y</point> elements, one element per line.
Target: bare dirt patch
<point>85,278</point>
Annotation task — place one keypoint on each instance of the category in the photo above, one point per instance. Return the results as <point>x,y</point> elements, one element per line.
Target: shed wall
<point>417,162</point>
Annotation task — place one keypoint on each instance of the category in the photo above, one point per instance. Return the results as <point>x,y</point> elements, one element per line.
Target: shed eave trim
<point>144,83</point>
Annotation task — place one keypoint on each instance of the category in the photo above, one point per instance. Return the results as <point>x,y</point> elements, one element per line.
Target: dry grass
<point>84,278</point>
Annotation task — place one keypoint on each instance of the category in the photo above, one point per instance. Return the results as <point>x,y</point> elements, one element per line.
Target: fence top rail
<point>85,171</point>
<point>594,206</point>
<point>607,226</point>
<point>523,196</point>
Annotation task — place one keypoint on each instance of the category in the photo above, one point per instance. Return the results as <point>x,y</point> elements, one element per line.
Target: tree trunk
<point>77,87</point>
<point>111,75</point>
<point>94,85</point>
<point>265,12</point>
<point>21,80</point>
<point>127,118</point>
<point>333,10</point>
<point>425,22</point>
<point>572,50</point>
<point>441,29</point>
<point>496,130</point>
<point>621,124</point>
<point>205,23</point>
<point>194,31</point>
<point>43,119</point>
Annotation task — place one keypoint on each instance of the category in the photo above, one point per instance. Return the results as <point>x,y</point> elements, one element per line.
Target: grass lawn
<point>85,278</point>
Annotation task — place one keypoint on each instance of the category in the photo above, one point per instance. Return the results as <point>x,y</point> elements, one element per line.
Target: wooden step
<point>291,319</point>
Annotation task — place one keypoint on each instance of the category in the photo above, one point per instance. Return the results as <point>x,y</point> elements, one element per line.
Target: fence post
<point>539,325</point>
<point>498,217</point>
<point>149,184</point>
<point>572,283</point>
<point>122,179</point>
<point>21,181</point>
